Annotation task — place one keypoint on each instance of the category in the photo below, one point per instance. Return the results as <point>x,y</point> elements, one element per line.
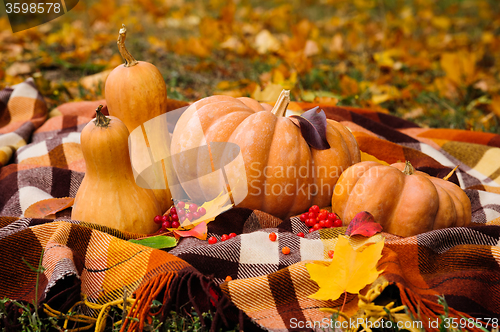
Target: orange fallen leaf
<point>46,207</point>
<point>199,231</point>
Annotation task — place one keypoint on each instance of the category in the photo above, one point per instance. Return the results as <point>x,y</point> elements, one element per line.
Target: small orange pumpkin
<point>284,174</point>
<point>404,201</point>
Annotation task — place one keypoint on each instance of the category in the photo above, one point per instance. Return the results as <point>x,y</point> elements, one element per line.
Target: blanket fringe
<point>99,322</point>
<point>186,287</point>
<point>179,291</point>
<point>424,309</point>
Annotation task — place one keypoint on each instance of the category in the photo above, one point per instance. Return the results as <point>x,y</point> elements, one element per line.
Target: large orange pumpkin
<point>404,201</point>
<point>284,175</point>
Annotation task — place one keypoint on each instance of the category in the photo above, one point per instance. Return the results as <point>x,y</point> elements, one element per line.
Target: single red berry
<point>231,235</point>
<point>337,223</point>
<point>224,237</point>
<point>323,210</point>
<point>303,217</point>
<point>285,250</point>
<point>328,223</point>
<point>193,207</point>
<point>174,217</point>
<point>311,230</point>
<point>322,224</point>
<point>189,216</point>
<point>158,219</point>
<point>181,213</point>
<point>300,234</point>
<point>330,253</point>
<point>173,210</point>
<point>316,227</point>
<point>166,224</point>
<point>175,224</point>
<point>310,222</point>
<point>164,218</point>
<point>202,211</point>
<point>212,240</point>
<point>312,215</point>
<point>322,216</point>
<point>181,205</point>
<point>196,215</point>
<point>272,236</point>
<point>314,208</point>
<point>332,216</point>
<point>182,219</point>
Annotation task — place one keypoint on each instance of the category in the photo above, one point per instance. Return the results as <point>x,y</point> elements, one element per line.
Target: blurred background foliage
<point>433,62</point>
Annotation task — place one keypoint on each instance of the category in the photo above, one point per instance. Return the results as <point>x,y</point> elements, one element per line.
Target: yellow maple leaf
<point>350,270</point>
<point>213,208</point>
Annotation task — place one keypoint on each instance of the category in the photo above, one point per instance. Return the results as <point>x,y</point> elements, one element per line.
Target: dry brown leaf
<point>265,42</point>
<point>92,82</point>
<point>19,68</point>
<point>47,207</point>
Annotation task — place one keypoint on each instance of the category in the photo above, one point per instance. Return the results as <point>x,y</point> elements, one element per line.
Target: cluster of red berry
<point>317,219</point>
<point>178,213</point>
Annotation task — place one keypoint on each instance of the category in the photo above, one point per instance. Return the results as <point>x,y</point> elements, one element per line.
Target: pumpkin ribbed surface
<point>404,205</point>
<point>284,175</point>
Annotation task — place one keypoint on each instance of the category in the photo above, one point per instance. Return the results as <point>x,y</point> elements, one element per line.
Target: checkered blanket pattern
<point>270,288</point>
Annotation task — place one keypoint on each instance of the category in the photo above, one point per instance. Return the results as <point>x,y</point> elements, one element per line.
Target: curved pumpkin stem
<point>279,108</point>
<point>129,59</point>
<point>100,119</point>
<point>446,178</point>
<point>409,169</point>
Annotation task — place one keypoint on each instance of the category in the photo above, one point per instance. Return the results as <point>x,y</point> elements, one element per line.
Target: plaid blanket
<point>40,158</point>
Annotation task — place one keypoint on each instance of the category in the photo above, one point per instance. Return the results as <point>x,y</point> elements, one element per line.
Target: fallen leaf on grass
<point>350,270</point>
<point>156,242</point>
<point>95,81</point>
<point>364,224</point>
<point>47,207</point>
<point>19,68</point>
<point>270,93</point>
<point>265,42</point>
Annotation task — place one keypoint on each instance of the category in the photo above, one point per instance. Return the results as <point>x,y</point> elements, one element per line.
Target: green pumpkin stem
<point>129,59</point>
<point>281,104</point>
<point>100,119</point>
<point>409,169</point>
